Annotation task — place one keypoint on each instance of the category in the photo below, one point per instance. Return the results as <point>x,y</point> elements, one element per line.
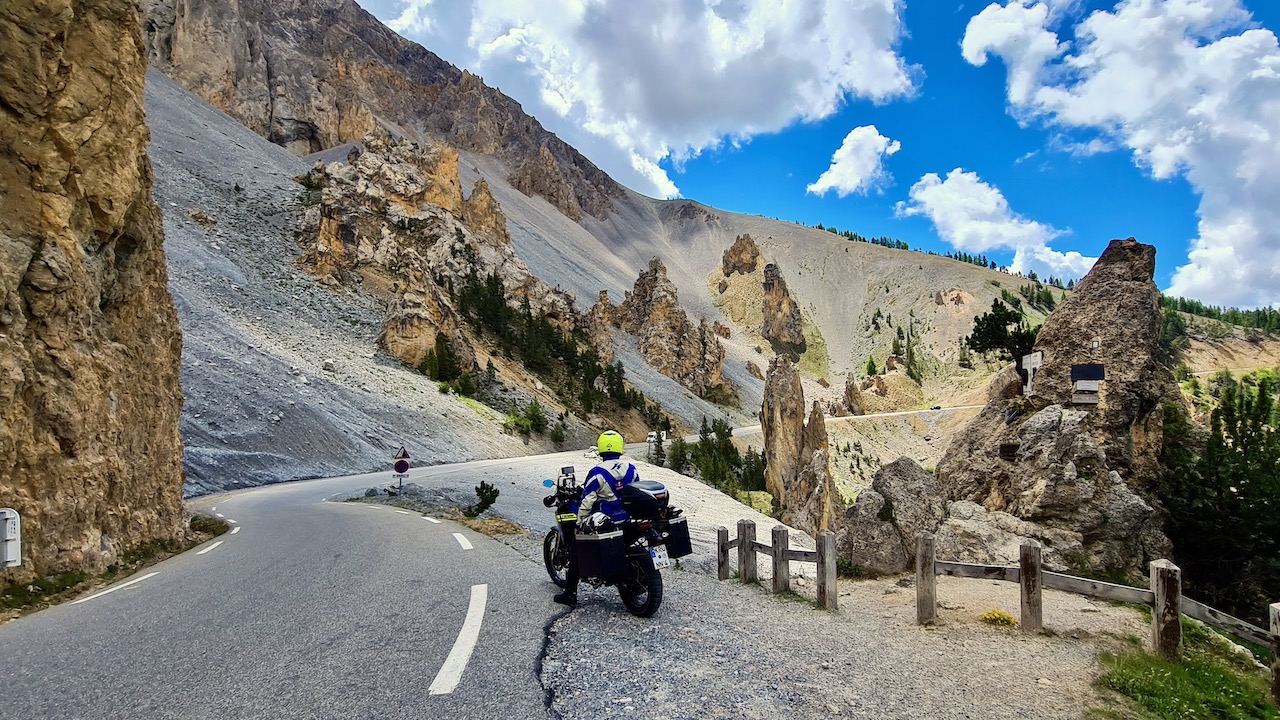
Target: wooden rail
<point>782,555</point>
<point>1164,598</point>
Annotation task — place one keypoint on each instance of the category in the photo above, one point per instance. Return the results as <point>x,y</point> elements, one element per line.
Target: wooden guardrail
<point>1164,598</point>
<point>783,555</point>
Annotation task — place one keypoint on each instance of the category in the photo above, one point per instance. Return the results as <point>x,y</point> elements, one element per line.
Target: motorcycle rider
<point>599,506</point>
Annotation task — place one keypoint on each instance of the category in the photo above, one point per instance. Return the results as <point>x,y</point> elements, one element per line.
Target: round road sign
<point>402,466</point>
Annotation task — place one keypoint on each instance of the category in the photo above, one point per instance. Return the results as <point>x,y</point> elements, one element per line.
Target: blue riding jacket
<point>604,481</point>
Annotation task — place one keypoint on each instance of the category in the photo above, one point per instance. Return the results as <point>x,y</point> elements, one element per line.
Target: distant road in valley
<point>854,418</point>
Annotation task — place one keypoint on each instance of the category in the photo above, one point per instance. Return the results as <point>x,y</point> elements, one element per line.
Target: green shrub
<point>486,495</point>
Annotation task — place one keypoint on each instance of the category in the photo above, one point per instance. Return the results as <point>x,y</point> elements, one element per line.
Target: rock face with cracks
<point>741,257</point>
<point>1086,469</point>
<point>398,207</point>
<point>669,341</point>
<point>798,473</point>
<point>782,325</point>
<point>89,342</point>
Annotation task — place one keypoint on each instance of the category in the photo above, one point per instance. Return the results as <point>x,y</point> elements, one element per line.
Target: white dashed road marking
<point>113,589</point>
<point>462,540</point>
<point>451,672</point>
<point>235,530</point>
<point>403,512</point>
<point>431,519</point>
<point>211,547</point>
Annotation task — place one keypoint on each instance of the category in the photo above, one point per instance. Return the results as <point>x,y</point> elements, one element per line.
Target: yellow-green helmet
<point>609,442</point>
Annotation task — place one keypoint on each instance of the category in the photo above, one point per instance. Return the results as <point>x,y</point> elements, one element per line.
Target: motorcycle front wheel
<point>555,556</point>
<point>641,586</point>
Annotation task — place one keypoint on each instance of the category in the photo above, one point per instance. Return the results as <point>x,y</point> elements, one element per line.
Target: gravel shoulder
<point>729,650</point>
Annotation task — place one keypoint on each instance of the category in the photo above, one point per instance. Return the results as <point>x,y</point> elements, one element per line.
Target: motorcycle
<point>629,556</point>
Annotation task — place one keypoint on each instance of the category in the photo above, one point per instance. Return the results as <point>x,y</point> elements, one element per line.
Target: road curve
<point>311,609</point>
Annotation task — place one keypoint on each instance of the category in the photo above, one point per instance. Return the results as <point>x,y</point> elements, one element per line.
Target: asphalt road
<point>313,608</point>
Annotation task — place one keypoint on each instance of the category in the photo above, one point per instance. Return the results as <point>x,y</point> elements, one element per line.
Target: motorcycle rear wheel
<point>556,557</point>
<point>641,586</point>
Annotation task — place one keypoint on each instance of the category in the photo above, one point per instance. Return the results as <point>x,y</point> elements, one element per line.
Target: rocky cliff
<point>314,74</point>
<point>89,343</point>
<point>1083,462</point>
<point>669,341</point>
<point>781,326</point>
<point>798,472</point>
<point>741,257</point>
<point>397,207</point>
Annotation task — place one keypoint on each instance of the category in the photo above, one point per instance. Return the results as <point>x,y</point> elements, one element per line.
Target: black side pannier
<point>677,538</point>
<point>644,499</point>
<point>602,554</point>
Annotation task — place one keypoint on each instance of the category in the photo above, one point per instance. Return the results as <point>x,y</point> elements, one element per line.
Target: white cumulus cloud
<point>975,216</point>
<point>858,164</point>
<point>1191,88</point>
<point>632,84</point>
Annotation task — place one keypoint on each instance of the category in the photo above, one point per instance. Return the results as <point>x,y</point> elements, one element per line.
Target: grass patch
<point>758,500</point>
<point>25,598</point>
<point>35,593</point>
<point>816,360</point>
<point>1210,681</point>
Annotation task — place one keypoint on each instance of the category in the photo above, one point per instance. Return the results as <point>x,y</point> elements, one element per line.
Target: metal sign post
<point>401,466</point>
<point>10,538</point>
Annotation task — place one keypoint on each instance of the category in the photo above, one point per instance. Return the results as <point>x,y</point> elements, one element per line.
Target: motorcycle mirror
<point>549,482</point>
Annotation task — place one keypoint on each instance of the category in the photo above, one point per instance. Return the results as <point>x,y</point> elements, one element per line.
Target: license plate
<point>660,558</point>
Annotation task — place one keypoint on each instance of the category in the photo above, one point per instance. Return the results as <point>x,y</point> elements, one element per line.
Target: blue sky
<point>1033,131</point>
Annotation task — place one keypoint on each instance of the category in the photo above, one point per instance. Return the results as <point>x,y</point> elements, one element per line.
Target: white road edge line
<point>431,519</point>
<point>117,587</point>
<point>211,547</point>
<point>235,530</point>
<point>451,672</point>
<point>462,540</point>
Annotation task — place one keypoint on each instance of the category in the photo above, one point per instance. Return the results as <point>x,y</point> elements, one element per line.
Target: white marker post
<point>10,538</point>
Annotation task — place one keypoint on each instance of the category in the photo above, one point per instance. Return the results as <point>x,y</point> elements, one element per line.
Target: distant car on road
<point>936,407</point>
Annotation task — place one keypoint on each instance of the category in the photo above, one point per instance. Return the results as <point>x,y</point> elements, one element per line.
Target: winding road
<point>312,608</point>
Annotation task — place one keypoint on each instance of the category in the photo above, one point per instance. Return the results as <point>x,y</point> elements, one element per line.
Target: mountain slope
<point>259,332</point>
<point>313,74</point>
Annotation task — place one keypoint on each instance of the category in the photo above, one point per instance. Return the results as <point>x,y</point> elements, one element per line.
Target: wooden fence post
<point>827,569</point>
<point>747,551</point>
<point>722,553</point>
<point>926,580</point>
<point>781,566</point>
<point>1275,652</point>
<point>1166,616</point>
<point>1030,581</point>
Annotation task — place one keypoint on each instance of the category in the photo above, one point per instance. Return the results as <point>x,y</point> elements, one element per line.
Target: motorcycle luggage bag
<point>677,540</point>
<point>601,554</point>
<point>644,499</point>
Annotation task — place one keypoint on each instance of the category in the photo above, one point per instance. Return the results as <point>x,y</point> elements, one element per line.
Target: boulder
<point>1088,469</point>
<point>972,534</point>
<point>878,533</point>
